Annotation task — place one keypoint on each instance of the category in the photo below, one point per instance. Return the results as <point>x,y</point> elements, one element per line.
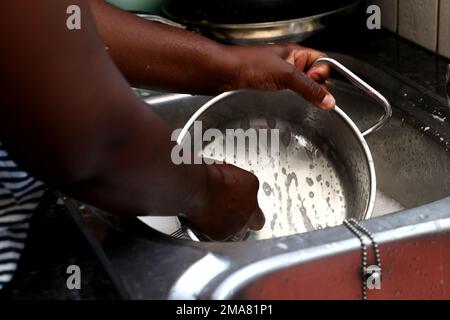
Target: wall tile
<point>418,22</point>
<point>388,13</point>
<point>444,28</point>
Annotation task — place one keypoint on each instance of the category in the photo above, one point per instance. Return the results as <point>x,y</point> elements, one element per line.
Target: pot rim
<point>368,154</point>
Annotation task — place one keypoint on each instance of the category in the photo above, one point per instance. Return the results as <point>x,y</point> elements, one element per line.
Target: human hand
<point>230,206</point>
<point>284,66</point>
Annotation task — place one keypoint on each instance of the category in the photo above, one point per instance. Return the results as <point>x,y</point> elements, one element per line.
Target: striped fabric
<point>19,196</point>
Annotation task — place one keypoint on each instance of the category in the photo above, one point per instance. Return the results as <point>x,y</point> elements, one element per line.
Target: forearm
<point>68,117</point>
<point>153,55</point>
<point>135,173</point>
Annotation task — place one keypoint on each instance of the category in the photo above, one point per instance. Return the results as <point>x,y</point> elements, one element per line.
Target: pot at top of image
<point>255,22</point>
<point>142,6</point>
<point>249,11</point>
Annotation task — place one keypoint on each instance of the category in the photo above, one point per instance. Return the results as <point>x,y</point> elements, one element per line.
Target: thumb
<point>257,220</point>
<point>311,90</point>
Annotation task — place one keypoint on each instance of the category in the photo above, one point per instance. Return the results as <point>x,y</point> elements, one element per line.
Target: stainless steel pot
<point>296,29</point>
<point>138,5</point>
<point>324,171</point>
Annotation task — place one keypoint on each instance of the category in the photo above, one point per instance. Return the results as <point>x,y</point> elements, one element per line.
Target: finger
<point>257,220</point>
<point>304,59</point>
<point>319,73</point>
<point>312,56</point>
<point>311,90</point>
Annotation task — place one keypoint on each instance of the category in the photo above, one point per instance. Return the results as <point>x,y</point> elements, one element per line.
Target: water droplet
<point>291,177</point>
<point>267,189</point>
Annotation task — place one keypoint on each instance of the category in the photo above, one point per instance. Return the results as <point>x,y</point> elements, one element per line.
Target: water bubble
<point>267,189</point>
<point>274,220</point>
<point>291,177</point>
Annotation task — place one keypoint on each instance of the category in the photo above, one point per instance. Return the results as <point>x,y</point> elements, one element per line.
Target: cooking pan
<point>254,22</point>
<point>323,172</point>
<point>248,11</point>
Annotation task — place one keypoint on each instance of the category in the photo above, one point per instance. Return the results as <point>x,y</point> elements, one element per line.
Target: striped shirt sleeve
<point>20,195</point>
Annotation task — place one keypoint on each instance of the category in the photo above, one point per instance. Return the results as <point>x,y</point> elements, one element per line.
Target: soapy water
<point>300,190</point>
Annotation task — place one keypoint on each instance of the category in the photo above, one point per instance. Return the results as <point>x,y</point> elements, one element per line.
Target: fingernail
<point>328,102</point>
<point>315,77</point>
<point>314,69</point>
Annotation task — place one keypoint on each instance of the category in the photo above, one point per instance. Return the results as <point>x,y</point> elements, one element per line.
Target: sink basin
<point>411,220</point>
<point>412,168</point>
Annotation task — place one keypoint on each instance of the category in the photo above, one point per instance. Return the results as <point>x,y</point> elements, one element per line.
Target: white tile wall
<point>444,28</point>
<point>418,21</point>
<point>425,22</point>
<point>388,13</point>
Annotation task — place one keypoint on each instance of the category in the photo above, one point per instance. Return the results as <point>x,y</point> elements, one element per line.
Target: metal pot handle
<point>357,81</point>
<point>162,20</point>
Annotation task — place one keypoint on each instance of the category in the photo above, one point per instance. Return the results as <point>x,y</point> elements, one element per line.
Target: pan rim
<point>257,25</point>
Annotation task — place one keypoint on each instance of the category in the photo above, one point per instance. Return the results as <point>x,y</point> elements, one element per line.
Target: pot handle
<point>155,18</point>
<point>357,81</point>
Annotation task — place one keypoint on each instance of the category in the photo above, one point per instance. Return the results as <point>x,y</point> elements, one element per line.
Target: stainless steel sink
<point>412,163</point>
<point>412,168</point>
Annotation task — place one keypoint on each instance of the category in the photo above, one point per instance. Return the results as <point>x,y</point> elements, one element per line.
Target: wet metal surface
<point>300,190</point>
